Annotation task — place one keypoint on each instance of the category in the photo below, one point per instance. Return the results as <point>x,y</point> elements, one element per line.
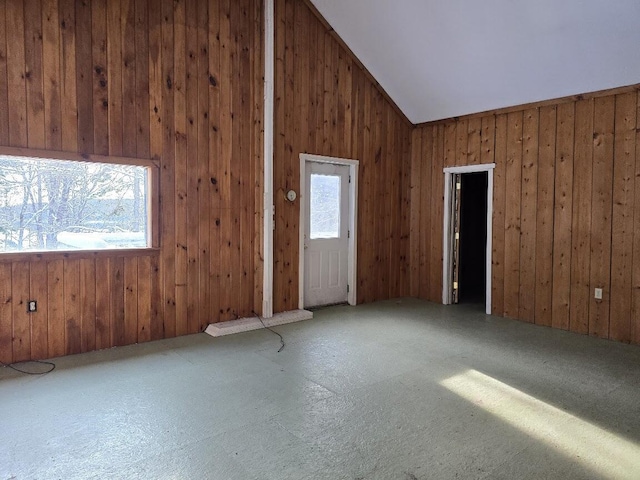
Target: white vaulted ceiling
<point>444,58</point>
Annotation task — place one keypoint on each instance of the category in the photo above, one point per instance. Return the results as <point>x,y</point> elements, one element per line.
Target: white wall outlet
<point>598,294</point>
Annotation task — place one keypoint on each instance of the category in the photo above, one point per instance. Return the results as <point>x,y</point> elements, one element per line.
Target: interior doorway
<point>468,212</point>
<point>473,238</point>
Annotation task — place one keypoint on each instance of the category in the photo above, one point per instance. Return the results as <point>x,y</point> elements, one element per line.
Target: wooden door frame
<point>353,222</point>
<point>446,229</point>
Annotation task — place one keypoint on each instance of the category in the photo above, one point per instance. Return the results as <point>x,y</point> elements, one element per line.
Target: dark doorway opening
<point>473,237</point>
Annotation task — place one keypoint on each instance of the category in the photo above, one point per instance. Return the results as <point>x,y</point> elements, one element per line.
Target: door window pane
<point>325,206</point>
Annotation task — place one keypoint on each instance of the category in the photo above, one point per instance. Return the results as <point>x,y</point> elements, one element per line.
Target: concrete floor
<point>394,390</point>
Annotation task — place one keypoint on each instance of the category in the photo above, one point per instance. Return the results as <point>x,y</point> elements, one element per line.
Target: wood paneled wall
<point>327,105</point>
<point>566,210</point>
<point>179,81</point>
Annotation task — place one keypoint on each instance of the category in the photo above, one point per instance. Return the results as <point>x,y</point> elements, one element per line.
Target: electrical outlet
<point>598,294</point>
<point>32,306</point>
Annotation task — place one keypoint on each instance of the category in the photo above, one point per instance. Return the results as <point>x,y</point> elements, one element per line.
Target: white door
<point>326,240</point>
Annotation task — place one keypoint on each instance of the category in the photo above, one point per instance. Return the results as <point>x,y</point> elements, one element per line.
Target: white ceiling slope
<point>444,58</point>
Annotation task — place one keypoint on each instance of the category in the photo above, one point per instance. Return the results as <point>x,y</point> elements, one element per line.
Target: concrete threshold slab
<point>253,323</point>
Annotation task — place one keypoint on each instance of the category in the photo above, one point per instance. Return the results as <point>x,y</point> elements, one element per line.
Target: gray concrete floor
<point>394,390</point>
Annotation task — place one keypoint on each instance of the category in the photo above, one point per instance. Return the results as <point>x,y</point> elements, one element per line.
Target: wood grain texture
<point>512,215</point>
<point>425,245</point>
<point>4,100</point>
<point>94,79</point>
<point>622,229</point>
<point>417,160</point>
<point>635,293</point>
<point>437,207</point>
<point>6,319</point>
<point>181,82</point>
<point>601,205</point>
<point>499,199</point>
<point>562,216</point>
<point>565,209</point>
<point>529,191</point>
<point>544,215</point>
<point>345,98</point>
<point>581,224</point>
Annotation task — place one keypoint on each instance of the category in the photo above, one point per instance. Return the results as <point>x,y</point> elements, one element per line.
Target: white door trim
<point>268,135</point>
<point>353,221</point>
<point>446,237</point>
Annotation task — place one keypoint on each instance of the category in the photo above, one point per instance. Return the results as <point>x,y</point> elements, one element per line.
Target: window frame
<point>153,204</point>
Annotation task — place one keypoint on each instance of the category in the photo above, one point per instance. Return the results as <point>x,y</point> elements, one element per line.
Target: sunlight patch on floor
<point>596,448</point>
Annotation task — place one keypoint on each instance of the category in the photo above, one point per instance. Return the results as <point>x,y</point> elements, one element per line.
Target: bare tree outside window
<point>48,204</point>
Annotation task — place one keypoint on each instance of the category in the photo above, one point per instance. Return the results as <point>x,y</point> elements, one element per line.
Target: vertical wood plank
<point>99,77</point>
<point>33,73</point>
<point>103,289</point>
<point>600,273</point>
<point>364,202</point>
<point>156,320</point>
<point>528,216</point>
<point>635,300</point>
<point>114,77</point>
<point>72,322</point>
<point>130,300</point>
<point>488,139</point>
<point>449,144</point>
<point>128,42</point>
<point>4,84</point>
<point>117,302</point>
<point>215,149</point>
<point>581,224</point>
<point>205,187</point>
<point>88,304</point>
<point>565,125</point>
<point>6,317</point>
<point>154,109</point>
<point>622,229</point>
<point>51,75</point>
<point>544,220</point>
<point>142,78</point>
<point>246,180</point>
<point>226,152</point>
<point>498,227</point>
<point>513,177</point>
<point>55,296</point>
<point>462,133</point>
<point>39,319</point>
<point>474,139</point>
<point>192,197</point>
<point>167,176</point>
<point>143,299</point>
<point>180,169</point>
<point>21,320</point>
<point>425,212</point>
<point>437,212</point>
<point>84,75</point>
<point>68,78</point>
<point>417,159</point>
<point>16,74</point>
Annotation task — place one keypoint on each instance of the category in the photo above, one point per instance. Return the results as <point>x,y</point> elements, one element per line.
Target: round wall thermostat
<point>291,195</point>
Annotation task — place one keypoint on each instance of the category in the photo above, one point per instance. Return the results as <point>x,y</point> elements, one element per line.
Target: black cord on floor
<point>12,366</point>
<point>271,330</point>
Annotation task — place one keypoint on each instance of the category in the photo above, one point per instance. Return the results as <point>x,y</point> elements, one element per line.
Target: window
<point>50,204</point>
<point>325,206</point>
